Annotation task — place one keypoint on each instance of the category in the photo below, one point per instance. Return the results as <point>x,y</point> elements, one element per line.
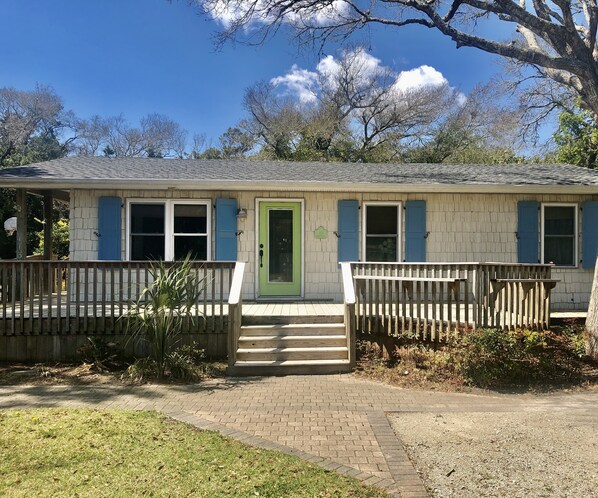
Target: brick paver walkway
<point>338,421</point>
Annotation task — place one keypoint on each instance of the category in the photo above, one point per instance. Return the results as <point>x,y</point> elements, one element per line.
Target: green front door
<point>279,249</point>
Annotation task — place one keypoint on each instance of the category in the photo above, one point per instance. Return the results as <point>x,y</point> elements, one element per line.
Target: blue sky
<point>141,56</point>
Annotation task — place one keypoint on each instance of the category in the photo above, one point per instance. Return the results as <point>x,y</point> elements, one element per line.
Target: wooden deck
<point>298,308</point>
<point>255,308</point>
<point>49,308</point>
<point>250,308</point>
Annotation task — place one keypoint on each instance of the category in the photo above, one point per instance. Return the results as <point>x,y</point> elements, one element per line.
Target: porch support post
<point>48,226</point>
<point>21,223</point>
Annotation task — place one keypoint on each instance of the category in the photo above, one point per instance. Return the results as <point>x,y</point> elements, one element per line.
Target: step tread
<point>286,326</point>
<point>292,350</point>
<point>291,338</point>
<point>265,363</point>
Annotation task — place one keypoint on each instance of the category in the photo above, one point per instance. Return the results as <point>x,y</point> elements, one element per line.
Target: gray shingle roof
<point>80,171</point>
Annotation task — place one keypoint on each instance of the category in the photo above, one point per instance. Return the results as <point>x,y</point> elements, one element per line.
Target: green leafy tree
<point>235,142</point>
<point>60,239</point>
<point>577,138</point>
<point>30,124</point>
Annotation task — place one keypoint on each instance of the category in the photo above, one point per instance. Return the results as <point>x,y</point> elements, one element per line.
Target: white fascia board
<point>284,186</point>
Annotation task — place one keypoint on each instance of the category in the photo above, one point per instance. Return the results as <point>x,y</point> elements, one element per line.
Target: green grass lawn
<point>60,452</point>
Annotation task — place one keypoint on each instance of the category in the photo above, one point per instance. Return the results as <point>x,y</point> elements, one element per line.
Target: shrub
<point>103,354</point>
<point>142,369</point>
<point>370,356</point>
<point>493,357</point>
<point>423,357</point>
<point>164,307</point>
<point>184,363</point>
<point>483,358</point>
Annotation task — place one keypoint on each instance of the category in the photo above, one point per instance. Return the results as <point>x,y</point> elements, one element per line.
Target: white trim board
<point>169,222</point>
<point>575,237</point>
<point>399,206</point>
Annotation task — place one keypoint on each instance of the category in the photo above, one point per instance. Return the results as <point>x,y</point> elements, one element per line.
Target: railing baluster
<point>58,277</point>
<point>50,288</point>
<point>31,285</point>
<point>433,336</point>
<point>5,291</point>
<point>221,300</point>
<point>205,299</point>
<point>44,289</point>
<point>112,273</point>
<point>13,298</point>
<point>67,287</point>
<point>121,298</point>
<point>86,298</point>
<point>441,302</point>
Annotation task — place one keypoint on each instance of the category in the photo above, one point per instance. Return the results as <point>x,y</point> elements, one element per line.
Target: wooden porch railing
<point>350,323</point>
<point>431,301</point>
<point>235,310</point>
<point>88,297</point>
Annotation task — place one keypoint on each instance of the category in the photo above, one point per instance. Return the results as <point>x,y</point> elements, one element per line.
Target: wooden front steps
<point>291,345</point>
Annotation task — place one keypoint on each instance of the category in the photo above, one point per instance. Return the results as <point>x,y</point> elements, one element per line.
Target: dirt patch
<point>79,374</point>
<point>52,374</point>
<point>424,380</point>
<point>531,455</point>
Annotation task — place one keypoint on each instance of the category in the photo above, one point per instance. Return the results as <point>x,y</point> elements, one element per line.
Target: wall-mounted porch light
<point>241,213</point>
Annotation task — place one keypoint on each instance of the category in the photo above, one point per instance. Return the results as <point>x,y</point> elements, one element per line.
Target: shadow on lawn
<point>103,390</point>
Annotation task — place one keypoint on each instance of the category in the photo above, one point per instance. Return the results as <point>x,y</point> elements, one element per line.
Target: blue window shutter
<point>527,231</point>
<point>589,234</point>
<point>109,228</point>
<point>415,231</point>
<point>226,229</point>
<point>348,230</point>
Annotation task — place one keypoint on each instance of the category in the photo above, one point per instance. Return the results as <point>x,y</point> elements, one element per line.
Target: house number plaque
<point>321,233</point>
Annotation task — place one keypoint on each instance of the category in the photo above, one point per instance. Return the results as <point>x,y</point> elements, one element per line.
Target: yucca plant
<point>165,306</point>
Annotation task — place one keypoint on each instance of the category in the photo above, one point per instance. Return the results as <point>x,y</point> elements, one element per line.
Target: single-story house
<point>293,222</point>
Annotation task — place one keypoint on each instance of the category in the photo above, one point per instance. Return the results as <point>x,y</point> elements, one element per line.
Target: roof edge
<point>235,185</point>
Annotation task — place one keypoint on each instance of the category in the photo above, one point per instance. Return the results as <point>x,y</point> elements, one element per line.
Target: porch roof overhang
<point>224,175</point>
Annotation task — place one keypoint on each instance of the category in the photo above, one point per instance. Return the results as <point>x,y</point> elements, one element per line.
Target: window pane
<point>190,218</point>
<point>381,220</point>
<point>144,247</point>
<point>559,220</point>
<point>381,249</point>
<point>196,246</point>
<point>147,218</point>
<point>559,250</point>
<point>280,233</point>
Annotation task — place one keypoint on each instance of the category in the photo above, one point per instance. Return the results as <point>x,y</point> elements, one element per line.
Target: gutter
<point>286,186</point>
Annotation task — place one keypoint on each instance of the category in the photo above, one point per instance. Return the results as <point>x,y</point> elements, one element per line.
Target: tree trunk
<point>592,319</point>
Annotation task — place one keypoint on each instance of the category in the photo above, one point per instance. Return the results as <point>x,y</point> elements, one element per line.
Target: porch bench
<point>410,279</point>
<point>452,283</point>
<point>549,283</point>
<point>516,306</point>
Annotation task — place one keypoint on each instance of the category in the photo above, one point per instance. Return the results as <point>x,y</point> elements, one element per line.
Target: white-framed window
<point>168,229</point>
<point>559,234</point>
<point>381,231</point>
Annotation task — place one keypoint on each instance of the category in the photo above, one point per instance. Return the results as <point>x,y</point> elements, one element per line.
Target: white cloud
<point>305,85</point>
<point>328,67</point>
<point>419,77</point>
<point>299,82</point>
